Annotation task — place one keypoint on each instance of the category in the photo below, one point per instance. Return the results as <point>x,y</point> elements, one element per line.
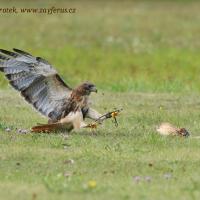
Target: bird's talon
<point>92,126</point>
<point>114,114</point>
<point>108,115</point>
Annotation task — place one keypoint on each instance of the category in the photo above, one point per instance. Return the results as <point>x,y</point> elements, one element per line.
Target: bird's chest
<point>80,102</point>
<point>76,103</point>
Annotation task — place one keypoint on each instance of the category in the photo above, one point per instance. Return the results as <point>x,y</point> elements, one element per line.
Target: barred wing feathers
<point>37,81</point>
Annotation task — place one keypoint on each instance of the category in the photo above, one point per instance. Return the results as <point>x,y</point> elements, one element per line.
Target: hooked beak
<point>93,89</point>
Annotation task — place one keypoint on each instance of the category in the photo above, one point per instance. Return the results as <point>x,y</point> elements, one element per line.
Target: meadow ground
<point>39,164</point>
<point>143,57</point>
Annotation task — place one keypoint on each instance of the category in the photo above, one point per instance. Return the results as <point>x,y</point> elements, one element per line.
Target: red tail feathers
<point>45,128</point>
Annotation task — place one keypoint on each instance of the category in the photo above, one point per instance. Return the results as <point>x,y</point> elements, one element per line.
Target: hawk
<point>42,87</point>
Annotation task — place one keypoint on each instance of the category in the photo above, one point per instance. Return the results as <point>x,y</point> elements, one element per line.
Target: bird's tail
<point>46,128</point>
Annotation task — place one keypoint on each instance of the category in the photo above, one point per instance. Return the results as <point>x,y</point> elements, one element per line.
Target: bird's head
<point>86,88</point>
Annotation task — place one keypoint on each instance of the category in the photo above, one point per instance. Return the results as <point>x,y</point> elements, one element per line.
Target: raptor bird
<point>40,85</point>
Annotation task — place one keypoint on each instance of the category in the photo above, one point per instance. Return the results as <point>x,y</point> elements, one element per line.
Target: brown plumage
<point>46,128</point>
<point>41,86</point>
<point>168,129</point>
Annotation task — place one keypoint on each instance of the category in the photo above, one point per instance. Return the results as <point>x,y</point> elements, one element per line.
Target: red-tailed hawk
<point>40,85</point>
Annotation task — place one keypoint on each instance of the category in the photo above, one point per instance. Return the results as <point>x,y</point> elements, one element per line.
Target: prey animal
<point>166,129</point>
<point>42,87</point>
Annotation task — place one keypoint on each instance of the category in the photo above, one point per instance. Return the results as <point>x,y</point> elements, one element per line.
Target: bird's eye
<point>87,87</point>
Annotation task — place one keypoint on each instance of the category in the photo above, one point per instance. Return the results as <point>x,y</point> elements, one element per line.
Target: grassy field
<point>121,46</point>
<point>144,57</point>
<point>39,165</point>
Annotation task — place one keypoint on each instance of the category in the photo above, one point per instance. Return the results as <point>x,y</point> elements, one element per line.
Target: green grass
<point>34,164</point>
<point>121,46</point>
<point>144,57</point>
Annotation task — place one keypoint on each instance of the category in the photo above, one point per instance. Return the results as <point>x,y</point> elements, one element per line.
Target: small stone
<point>8,129</point>
<point>19,130</point>
<point>137,179</point>
<point>70,161</point>
<point>148,179</point>
<point>22,131</point>
<point>167,176</point>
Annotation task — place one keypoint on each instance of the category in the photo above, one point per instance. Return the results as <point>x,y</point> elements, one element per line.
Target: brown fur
<point>168,129</point>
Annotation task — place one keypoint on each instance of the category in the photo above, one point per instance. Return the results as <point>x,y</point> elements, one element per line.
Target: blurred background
<point>145,46</point>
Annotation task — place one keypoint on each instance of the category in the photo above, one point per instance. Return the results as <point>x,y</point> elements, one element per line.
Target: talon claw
<point>115,121</point>
<point>112,114</point>
<point>92,126</point>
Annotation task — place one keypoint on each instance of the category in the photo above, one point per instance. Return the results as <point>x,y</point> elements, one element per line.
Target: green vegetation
<point>144,57</point>
<point>39,164</point>
<point>121,46</point>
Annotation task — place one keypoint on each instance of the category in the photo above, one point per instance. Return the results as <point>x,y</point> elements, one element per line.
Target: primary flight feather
<point>40,85</point>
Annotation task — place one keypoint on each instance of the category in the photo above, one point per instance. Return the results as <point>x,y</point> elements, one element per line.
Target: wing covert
<point>37,81</point>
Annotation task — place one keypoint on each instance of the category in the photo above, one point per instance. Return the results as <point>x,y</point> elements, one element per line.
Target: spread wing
<point>37,81</point>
